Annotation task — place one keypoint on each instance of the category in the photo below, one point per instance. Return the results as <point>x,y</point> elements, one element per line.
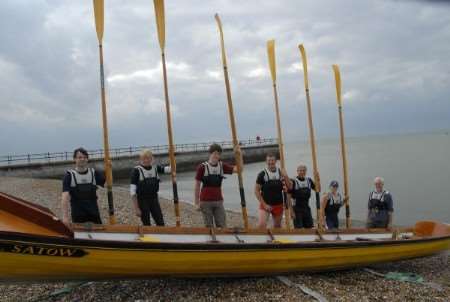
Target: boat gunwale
<point>125,228</point>
<point>203,246</point>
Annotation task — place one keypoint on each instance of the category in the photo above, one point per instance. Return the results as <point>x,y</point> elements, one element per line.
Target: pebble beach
<point>362,284</point>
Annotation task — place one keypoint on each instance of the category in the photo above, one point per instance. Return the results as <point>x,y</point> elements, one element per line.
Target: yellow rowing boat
<point>35,245</point>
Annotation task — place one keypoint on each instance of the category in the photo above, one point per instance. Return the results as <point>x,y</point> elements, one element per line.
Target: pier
<point>188,156</point>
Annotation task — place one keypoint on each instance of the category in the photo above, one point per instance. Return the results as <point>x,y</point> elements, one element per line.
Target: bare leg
<point>262,218</point>
<point>277,221</point>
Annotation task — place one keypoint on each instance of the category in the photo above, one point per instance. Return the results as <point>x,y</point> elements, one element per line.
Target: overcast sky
<point>394,59</point>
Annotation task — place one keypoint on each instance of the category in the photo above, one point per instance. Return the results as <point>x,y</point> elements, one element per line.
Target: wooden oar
<point>312,139</point>
<point>160,24</point>
<point>232,124</point>
<point>337,76</point>
<point>273,73</point>
<point>99,23</point>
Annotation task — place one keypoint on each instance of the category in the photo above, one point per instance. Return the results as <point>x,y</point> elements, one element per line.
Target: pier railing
<point>52,157</point>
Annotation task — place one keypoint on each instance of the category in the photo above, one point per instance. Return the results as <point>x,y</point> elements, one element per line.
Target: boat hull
<point>36,245</point>
<point>51,258</point>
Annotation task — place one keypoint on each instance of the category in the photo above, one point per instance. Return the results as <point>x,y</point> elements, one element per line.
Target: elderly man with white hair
<point>380,206</point>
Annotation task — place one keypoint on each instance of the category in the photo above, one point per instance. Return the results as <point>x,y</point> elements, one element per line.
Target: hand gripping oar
<point>273,73</point>
<point>312,139</point>
<point>233,124</point>
<point>99,21</point>
<point>337,76</point>
<point>160,24</point>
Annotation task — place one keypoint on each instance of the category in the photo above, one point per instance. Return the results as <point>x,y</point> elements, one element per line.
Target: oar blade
<point>272,62</point>
<point>160,22</point>
<point>219,22</point>
<point>99,18</point>
<point>305,65</point>
<point>337,77</point>
<point>222,42</point>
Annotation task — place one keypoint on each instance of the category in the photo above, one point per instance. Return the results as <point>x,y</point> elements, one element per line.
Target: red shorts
<point>276,210</point>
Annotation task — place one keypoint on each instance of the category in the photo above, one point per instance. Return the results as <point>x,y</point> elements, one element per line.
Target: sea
<point>415,167</point>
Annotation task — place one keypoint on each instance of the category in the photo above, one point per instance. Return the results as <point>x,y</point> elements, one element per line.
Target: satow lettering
<point>42,251</point>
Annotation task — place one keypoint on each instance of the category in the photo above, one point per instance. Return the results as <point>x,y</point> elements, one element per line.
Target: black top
<point>135,173</point>
<point>379,209</point>
<point>302,195</point>
<point>99,180</point>
<point>272,190</point>
<point>148,186</point>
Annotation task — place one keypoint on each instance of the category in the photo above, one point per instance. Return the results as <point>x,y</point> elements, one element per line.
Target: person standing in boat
<point>300,189</point>
<point>208,197</point>
<point>330,205</point>
<point>269,187</point>
<point>144,187</point>
<point>380,206</point>
<point>80,190</point>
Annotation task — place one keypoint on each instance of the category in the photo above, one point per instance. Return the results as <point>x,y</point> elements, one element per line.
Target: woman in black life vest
<point>330,205</point>
<point>144,187</point>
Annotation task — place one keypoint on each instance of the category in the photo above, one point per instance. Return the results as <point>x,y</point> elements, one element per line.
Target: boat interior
<point>20,216</point>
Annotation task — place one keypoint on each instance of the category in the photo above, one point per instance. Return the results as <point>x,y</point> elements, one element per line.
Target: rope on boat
<point>303,288</point>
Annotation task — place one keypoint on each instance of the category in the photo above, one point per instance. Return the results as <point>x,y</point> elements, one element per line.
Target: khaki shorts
<point>213,214</point>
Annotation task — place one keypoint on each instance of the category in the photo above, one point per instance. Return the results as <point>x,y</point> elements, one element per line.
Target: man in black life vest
<point>380,206</point>
<point>80,190</point>
<point>269,187</point>
<point>208,197</point>
<point>144,187</point>
<point>300,189</point>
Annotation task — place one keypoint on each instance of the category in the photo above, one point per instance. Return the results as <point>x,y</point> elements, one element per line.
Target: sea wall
<point>186,161</point>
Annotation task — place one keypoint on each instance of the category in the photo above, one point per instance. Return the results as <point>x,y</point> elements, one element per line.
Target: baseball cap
<point>334,184</point>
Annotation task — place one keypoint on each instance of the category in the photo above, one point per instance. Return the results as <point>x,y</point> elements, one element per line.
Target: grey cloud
<point>392,54</point>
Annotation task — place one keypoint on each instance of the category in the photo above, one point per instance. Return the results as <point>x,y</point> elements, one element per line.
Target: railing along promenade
<point>53,157</point>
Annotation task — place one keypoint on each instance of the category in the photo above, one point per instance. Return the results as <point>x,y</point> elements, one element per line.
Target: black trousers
<point>85,211</point>
<point>150,206</point>
<point>303,218</point>
<point>332,220</point>
<point>377,224</point>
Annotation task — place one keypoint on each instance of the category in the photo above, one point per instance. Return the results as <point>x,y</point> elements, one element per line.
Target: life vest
<point>333,205</point>
<point>83,186</point>
<point>301,191</point>
<point>376,201</point>
<point>273,186</point>
<point>148,184</point>
<point>213,175</point>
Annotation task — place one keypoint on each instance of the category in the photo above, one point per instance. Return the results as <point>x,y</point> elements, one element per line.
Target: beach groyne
<point>188,156</point>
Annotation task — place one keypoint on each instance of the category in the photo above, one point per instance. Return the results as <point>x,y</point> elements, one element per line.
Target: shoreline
<point>348,285</point>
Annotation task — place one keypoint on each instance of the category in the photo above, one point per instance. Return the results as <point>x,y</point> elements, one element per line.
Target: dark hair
<point>215,147</point>
<point>270,154</point>
<point>82,151</point>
